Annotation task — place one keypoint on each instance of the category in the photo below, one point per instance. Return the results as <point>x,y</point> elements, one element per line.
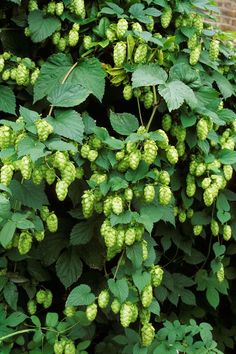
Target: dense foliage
<point>117,159</point>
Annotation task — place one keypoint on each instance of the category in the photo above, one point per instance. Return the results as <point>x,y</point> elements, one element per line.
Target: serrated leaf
<point>5,207</point>
<point>42,26</point>
<point>11,295</point>
<point>91,76</point>
<point>7,100</point>
<point>119,288</point>
<point>124,123</point>
<point>29,194</point>
<point>175,93</point>
<point>52,74</point>
<point>51,319</point>
<point>141,279</point>
<point>67,95</point>
<point>135,254</point>
<point>213,297</point>
<point>227,157</point>
<point>57,144</point>
<point>15,319</point>
<point>69,267</point>
<point>81,233</point>
<point>81,295</point>
<point>31,147</point>
<point>7,233</point>
<point>224,85</point>
<point>68,123</point>
<point>148,75</point>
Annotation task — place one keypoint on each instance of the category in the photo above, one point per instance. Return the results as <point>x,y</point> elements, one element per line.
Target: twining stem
<point>16,333</point>
<point>118,264</point>
<point>139,111</point>
<point>62,83</point>
<point>155,105</point>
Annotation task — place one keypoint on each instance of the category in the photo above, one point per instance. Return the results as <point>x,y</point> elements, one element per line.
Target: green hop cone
<point>147,296</point>
<point>150,25</point>
<point>44,129</point>
<point>39,235</point>
<point>61,45</point>
<point>228,172</point>
<point>50,176</point>
<point>150,151</point>
<point>58,348</point>
<point>164,178</point>
<point>87,42</point>
<point>22,75</point>
<point>79,8</point>
<point>127,92</point>
<point>166,17</point>
<point>148,100</point>
<point>119,54</point>
<point>121,28</point>
<point>5,137</point>
<point>198,23</point>
<point>202,129</point>
<point>195,55</point>
<point>48,299</point>
<point>128,194</point>
<point>140,55</point>
<point>26,167</point>
<point>73,38</point>
<point>163,144</point>
<point>200,169</point>
<point>60,160</point>
<point>103,299</point>
<point>59,8</point>
<point>115,306</point>
<point>31,307</point>
<point>92,155</point>
<point>206,182</point>
<point>69,348</point>
<point>192,41</point>
<point>51,7</point>
<point>52,222</point>
<point>149,193</point>
<point>165,195</point>
<point>182,216</point>
<point>227,232</point>
<point>220,274</point>
<point>87,204</point>
<point>130,236</point>
<point>6,174</point>
<point>166,122</point>
<point>144,250</point>
<point>34,76</point>
<point>144,315</point>
<point>208,197</point>
<point>147,334</point>
<point>32,5</point>
<point>172,155</point>
<point>69,311</point>
<point>126,314</point>
<point>110,34</point>
<point>41,296</point>
<point>157,275</point>
<point>25,242</point>
<point>61,190</point>
<point>68,174</point>
<point>215,227</point>
<point>214,50</point>
<point>117,205</point>
<point>91,312</point>
<point>197,230</point>
<point>134,159</point>
<point>44,212</point>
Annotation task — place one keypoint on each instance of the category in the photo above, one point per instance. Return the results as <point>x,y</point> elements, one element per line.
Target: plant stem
<point>118,264</point>
<point>139,111</point>
<point>155,105</point>
<point>16,333</point>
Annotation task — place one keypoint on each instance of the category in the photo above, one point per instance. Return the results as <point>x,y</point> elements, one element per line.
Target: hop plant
<point>149,193</point>
<point>115,306</point>
<point>91,312</point>
<point>79,8</point>
<point>6,174</point>
<point>227,232</point>
<point>147,296</point>
<point>103,299</point>
<point>59,8</point>
<point>150,151</point>
<point>127,92</point>
<point>148,100</point>
<point>69,348</point>
<point>126,314</point>
<point>31,307</point>
<point>52,222</point>
<point>166,17</point>
<point>69,311</point>
<point>195,55</point>
<point>172,155</point>
<point>61,190</point>
<point>221,273</point>
<point>119,54</point>
<point>214,227</point>
<point>214,50</point>
<point>130,236</point>
<point>202,129</point>
<point>134,159</point>
<point>22,75</point>
<point>148,334</point>
<point>140,55</point>
<point>73,38</point>
<point>117,205</point>
<point>88,204</point>
<point>25,242</point>
<point>165,195</point>
<point>44,129</point>
<point>122,28</point>
<point>157,275</point>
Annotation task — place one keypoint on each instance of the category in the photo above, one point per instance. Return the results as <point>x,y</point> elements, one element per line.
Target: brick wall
<point>227,19</point>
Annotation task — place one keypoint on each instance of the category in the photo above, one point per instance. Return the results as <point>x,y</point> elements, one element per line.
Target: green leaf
<point>69,267</point>
<point>29,194</point>
<point>91,76</point>
<point>119,288</point>
<point>141,279</point>
<point>213,297</point>
<point>175,93</point>
<point>31,147</point>
<point>42,26</point>
<point>227,157</point>
<point>15,319</point>
<point>155,307</point>
<point>51,319</point>
<point>219,249</point>
<point>29,116</point>
<point>5,207</point>
<point>139,350</point>
<point>224,85</point>
<point>185,73</point>
<point>188,120</point>
<point>51,74</point>
<point>68,123</point>
<point>67,95</point>
<point>124,123</point>
<point>81,233</point>
<point>81,295</point>
<point>135,254</point>
<point>222,203</point>
<point>11,295</point>
<point>124,218</point>
<point>138,174</point>
<point>7,233</point>
<point>51,248</point>
<point>148,75</point>
<point>57,144</point>
<point>7,100</point>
